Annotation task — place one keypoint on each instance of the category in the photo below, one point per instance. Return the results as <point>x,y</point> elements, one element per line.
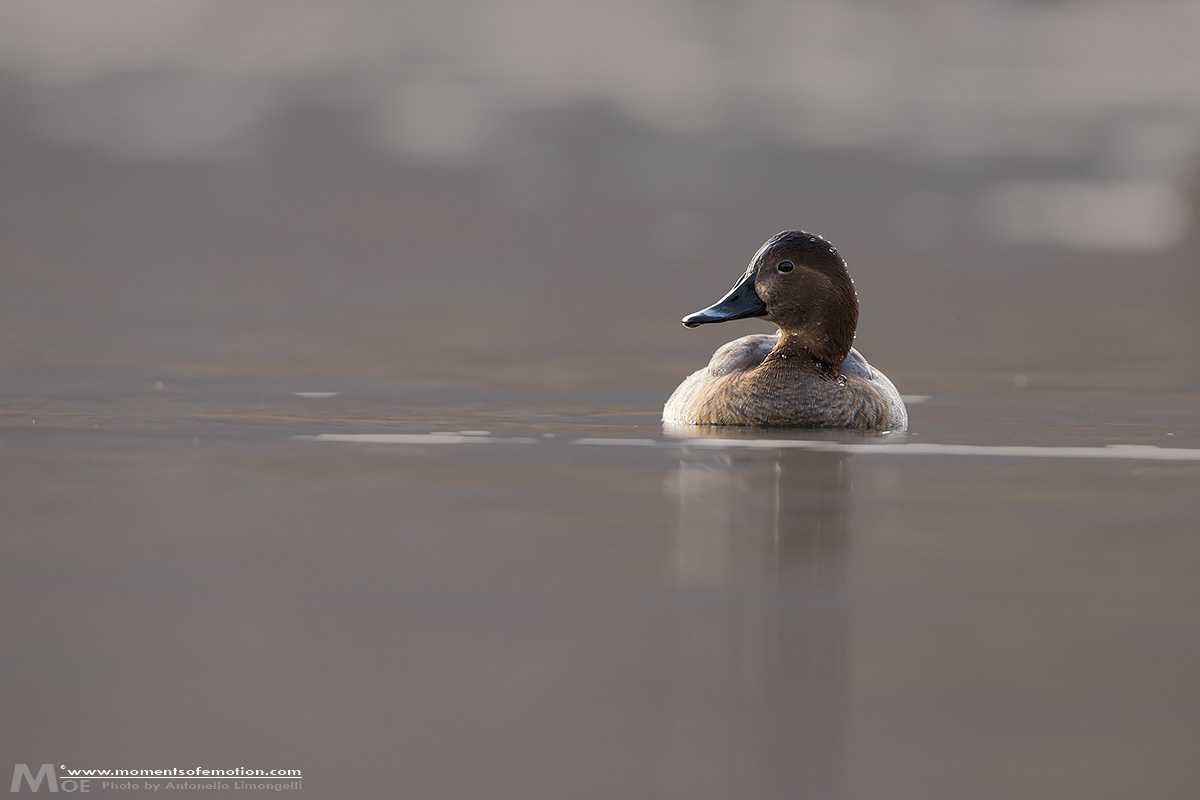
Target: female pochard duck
<point>807,374</point>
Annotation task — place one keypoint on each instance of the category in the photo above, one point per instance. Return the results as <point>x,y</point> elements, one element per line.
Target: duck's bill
<point>741,302</point>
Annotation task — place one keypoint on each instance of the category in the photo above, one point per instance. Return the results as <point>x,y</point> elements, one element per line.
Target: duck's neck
<point>818,325</point>
<point>812,350</point>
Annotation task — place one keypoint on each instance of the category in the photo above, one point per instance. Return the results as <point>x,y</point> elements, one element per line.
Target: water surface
<point>556,598</point>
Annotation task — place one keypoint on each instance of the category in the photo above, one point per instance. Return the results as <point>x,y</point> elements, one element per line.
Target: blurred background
<point>535,192</point>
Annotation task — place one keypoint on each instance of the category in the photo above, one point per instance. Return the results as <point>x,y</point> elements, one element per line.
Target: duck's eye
<point>785,266</point>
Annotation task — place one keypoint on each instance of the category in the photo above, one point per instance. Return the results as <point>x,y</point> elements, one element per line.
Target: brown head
<point>798,281</point>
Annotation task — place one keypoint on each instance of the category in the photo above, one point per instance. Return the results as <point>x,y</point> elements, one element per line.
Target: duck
<point>808,373</point>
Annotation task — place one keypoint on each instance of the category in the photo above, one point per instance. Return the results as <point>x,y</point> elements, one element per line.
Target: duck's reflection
<point>760,691</point>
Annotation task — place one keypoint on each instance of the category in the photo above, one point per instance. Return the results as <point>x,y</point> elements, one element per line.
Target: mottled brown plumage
<point>808,374</point>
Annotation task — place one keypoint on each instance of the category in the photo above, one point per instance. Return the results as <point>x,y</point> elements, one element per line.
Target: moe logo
<point>21,774</point>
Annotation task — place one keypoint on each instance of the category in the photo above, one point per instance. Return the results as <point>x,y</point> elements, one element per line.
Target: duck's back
<point>880,387</point>
<point>732,358</point>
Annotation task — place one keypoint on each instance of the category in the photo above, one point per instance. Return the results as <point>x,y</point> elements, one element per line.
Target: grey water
<point>462,603</point>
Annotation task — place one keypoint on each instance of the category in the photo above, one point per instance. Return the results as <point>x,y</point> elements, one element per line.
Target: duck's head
<point>798,281</point>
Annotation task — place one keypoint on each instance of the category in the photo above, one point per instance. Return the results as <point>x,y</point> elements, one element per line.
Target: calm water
<point>555,598</point>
